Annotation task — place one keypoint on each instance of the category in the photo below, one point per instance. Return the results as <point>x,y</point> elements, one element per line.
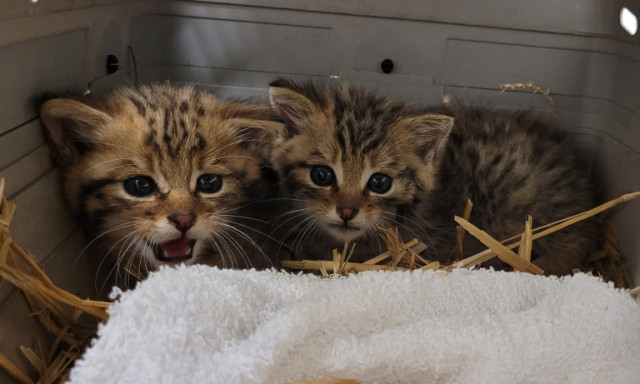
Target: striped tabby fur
<point>509,164</point>
<point>162,174</point>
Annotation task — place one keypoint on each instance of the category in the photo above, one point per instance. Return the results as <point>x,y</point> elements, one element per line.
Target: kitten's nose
<point>182,221</point>
<point>347,213</point>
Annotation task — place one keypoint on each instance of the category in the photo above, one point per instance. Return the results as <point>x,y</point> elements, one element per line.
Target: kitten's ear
<point>255,133</point>
<point>432,133</point>
<point>291,106</point>
<point>71,125</point>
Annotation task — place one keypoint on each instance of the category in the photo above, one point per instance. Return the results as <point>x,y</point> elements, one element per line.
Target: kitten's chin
<point>343,233</point>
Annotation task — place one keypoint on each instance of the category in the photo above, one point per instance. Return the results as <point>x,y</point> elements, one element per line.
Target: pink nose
<point>347,213</point>
<point>182,221</point>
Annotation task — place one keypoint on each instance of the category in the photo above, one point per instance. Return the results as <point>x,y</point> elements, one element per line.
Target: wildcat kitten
<point>162,174</point>
<point>351,162</point>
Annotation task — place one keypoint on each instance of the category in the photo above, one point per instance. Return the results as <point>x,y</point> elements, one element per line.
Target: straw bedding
<point>216,312</point>
<point>71,319</point>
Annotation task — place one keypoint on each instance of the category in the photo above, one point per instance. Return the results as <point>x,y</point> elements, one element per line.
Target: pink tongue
<point>176,248</point>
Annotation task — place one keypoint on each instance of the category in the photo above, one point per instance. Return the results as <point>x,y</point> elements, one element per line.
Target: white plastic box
<point>577,49</point>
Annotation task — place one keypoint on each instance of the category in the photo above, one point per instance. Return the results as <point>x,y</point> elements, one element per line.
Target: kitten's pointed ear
<point>72,126</point>
<point>290,105</point>
<point>255,133</point>
<point>432,133</point>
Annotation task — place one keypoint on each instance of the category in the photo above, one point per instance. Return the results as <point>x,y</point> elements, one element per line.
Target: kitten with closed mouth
<point>351,162</point>
<point>164,175</point>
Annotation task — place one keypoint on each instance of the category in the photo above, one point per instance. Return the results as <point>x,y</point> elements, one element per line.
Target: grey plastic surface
<point>580,17</point>
<point>465,49</point>
<point>28,69</point>
<point>237,45</point>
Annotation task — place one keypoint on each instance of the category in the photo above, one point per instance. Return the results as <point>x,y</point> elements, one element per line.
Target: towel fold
<point>200,324</point>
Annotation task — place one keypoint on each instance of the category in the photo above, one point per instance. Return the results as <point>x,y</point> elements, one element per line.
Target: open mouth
<point>175,251</point>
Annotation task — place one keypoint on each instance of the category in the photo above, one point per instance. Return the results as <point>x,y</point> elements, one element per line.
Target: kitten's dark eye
<point>140,186</point>
<point>379,183</point>
<point>322,175</point>
<point>209,183</point>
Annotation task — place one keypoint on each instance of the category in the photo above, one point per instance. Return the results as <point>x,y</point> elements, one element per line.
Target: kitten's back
<point>512,164</point>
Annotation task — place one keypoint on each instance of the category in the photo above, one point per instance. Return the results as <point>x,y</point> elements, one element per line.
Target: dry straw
<point>546,95</point>
<point>60,312</point>
<point>71,319</point>
<point>404,256</point>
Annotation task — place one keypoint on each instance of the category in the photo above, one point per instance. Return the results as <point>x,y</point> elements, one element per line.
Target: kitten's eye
<point>322,175</point>
<point>379,183</point>
<point>209,183</point>
<point>140,186</point>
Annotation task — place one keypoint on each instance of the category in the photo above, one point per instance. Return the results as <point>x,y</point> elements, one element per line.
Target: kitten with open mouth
<point>162,175</point>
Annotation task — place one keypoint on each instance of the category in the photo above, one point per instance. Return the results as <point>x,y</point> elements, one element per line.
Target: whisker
<point>308,229</point>
<point>224,240</point>
<point>243,235</point>
<point>212,240</point>
<point>115,267</point>
<point>229,238</point>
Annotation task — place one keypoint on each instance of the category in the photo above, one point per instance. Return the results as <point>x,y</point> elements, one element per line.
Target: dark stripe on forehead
<point>151,138</point>
<point>151,103</point>
<point>360,112</point>
<point>150,141</point>
<point>142,110</point>
<point>195,123</point>
<point>377,112</point>
<point>200,144</point>
<point>373,141</point>
<point>167,133</point>
<point>167,115</point>
<point>185,133</point>
<point>198,105</point>
<point>338,112</point>
<point>353,140</point>
<point>196,98</point>
<point>340,132</point>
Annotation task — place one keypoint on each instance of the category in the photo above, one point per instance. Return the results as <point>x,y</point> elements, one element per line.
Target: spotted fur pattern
<point>509,164</point>
<point>137,170</point>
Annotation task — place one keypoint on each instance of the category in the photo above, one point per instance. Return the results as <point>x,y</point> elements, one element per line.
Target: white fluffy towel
<point>205,325</point>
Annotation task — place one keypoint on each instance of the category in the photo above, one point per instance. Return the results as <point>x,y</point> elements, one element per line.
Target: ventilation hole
<point>628,21</point>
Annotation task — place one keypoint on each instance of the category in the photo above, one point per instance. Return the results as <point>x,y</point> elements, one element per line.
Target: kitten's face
<point>350,161</point>
<point>157,173</point>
